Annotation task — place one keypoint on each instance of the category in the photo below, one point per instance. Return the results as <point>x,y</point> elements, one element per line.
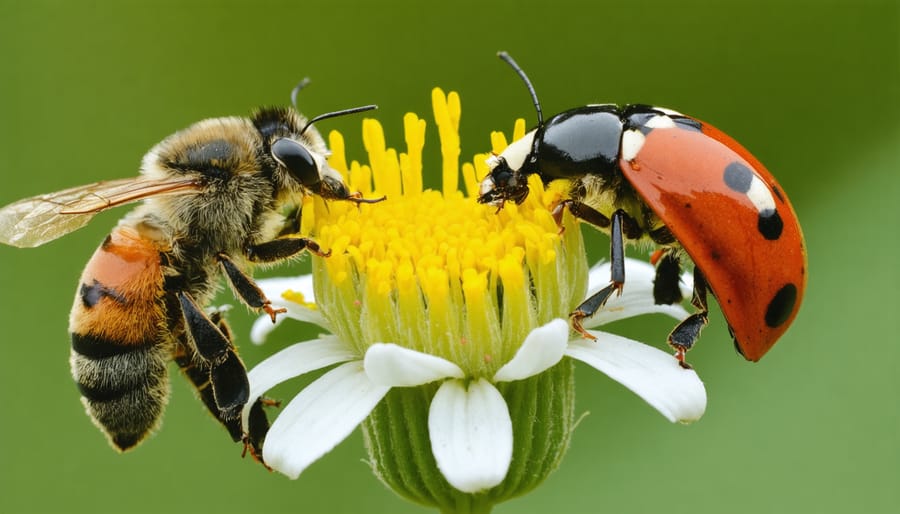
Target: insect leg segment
<point>199,375</point>
<point>246,289</point>
<point>283,248</point>
<point>257,428</point>
<point>666,290</point>
<point>227,374</point>
<point>686,333</point>
<point>617,263</point>
<point>197,371</point>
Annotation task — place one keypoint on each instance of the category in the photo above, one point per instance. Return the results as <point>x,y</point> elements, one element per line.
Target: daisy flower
<point>447,329</point>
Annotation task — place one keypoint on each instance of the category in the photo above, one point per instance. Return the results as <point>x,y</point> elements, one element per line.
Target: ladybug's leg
<point>617,263</point>
<point>687,332</point>
<point>666,290</point>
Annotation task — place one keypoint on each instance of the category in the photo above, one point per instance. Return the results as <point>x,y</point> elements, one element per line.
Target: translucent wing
<point>34,221</point>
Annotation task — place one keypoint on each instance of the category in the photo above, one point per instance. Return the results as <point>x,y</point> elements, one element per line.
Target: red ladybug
<point>643,173</point>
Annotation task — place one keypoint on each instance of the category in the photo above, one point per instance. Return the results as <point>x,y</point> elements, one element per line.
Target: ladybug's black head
<point>508,179</point>
<point>503,184</point>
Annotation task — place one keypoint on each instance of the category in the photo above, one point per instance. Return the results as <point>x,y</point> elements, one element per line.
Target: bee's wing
<point>34,221</point>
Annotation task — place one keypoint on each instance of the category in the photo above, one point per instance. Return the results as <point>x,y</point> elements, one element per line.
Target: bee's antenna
<point>352,110</point>
<point>300,85</point>
<point>537,105</point>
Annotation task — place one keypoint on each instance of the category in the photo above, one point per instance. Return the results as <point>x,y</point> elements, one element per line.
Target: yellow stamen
<point>436,271</point>
<point>298,298</point>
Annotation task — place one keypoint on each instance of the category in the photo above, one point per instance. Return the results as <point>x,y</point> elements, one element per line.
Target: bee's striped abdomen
<point>120,349</point>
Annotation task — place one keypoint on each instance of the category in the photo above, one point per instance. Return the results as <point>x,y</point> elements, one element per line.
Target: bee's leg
<point>272,251</point>
<point>196,370</point>
<point>619,225</point>
<point>227,374</point>
<point>282,248</point>
<point>686,333</point>
<point>257,428</point>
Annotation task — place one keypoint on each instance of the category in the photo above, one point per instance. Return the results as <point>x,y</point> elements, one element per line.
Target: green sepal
<point>542,410</point>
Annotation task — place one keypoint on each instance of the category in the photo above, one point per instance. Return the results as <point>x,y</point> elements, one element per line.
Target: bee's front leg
<point>276,250</point>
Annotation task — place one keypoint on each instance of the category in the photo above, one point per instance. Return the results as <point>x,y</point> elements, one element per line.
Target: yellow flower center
<point>436,271</point>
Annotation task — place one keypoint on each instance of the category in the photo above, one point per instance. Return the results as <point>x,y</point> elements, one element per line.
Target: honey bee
<point>214,197</point>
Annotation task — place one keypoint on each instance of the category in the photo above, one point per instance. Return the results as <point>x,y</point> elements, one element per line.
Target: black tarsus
<point>686,333</point>
<point>596,302</point>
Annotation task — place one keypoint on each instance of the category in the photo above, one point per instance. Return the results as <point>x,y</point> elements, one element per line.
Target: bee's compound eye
<point>298,161</point>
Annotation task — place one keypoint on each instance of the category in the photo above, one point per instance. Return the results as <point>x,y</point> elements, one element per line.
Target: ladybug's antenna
<point>537,105</point>
<point>352,110</point>
<point>300,85</point>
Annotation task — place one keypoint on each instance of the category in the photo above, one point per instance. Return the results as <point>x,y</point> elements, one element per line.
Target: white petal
<point>320,417</point>
<point>293,361</point>
<point>391,365</point>
<point>542,349</point>
<point>471,434</point>
<point>637,295</point>
<point>654,375</point>
<point>273,288</point>
<point>262,327</point>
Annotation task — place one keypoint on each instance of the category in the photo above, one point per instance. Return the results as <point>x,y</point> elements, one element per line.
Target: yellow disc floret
<point>435,270</point>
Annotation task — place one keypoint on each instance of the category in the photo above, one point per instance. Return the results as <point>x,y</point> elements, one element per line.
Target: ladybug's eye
<point>298,161</point>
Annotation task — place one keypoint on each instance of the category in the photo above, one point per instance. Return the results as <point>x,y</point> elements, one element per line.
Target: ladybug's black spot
<point>92,294</point>
<point>738,177</point>
<point>781,306</point>
<point>770,224</point>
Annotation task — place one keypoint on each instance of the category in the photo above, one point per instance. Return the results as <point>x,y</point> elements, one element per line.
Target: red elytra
<point>697,182</point>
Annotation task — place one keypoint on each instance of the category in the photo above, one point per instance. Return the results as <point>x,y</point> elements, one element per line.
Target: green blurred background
<point>812,88</point>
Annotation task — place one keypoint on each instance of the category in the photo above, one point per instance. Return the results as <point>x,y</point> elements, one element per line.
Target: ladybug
<point>646,174</point>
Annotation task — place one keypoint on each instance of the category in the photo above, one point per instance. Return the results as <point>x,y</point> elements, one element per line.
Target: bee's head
<point>299,150</point>
<point>306,167</point>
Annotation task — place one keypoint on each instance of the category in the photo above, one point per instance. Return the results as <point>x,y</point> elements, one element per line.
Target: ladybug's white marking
<point>660,122</point>
<point>670,112</point>
<point>514,156</point>
<point>761,197</point>
<point>632,142</point>
<point>515,153</point>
